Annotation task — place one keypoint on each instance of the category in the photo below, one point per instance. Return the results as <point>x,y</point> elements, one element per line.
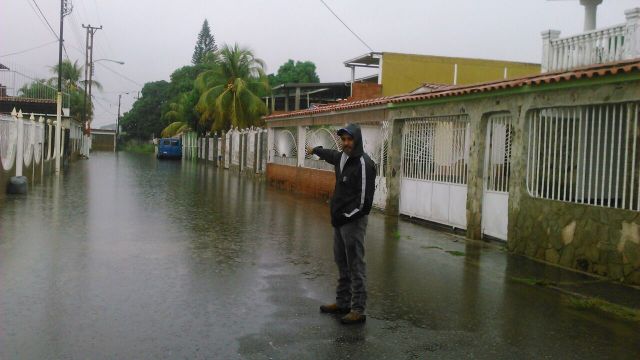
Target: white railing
<point>585,155</point>
<point>616,43</point>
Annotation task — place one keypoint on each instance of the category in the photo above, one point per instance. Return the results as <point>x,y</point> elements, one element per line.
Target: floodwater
<point>127,257</point>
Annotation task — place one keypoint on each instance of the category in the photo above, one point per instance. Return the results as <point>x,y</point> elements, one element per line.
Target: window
<point>436,149</point>
<point>585,155</point>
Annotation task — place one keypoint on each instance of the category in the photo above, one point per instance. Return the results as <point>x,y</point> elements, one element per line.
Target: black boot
<point>354,317</point>
<point>334,309</point>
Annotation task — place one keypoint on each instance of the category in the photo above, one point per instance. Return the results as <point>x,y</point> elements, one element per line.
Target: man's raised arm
<point>328,155</point>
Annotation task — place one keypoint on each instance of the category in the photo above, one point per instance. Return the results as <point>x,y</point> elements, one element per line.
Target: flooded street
<point>126,257</point>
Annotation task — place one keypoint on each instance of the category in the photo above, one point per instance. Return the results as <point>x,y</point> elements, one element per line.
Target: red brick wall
<point>363,91</point>
<point>312,182</point>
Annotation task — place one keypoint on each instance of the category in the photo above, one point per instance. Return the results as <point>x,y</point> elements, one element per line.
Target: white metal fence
<point>585,154</point>
<point>285,148</point>
<point>436,149</point>
<point>325,136</point>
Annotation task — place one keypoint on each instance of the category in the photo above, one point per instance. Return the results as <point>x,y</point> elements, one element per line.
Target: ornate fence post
<point>20,143</point>
<point>42,133</point>
<point>302,140</point>
<point>256,146</point>
<point>61,150</point>
<point>632,34</point>
<point>49,139</point>
<point>547,49</point>
<point>270,144</point>
<point>214,144</point>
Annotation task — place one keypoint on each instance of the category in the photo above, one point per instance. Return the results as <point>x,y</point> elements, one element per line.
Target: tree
<point>183,97</point>
<point>298,72</point>
<point>179,114</point>
<point>145,117</point>
<point>231,93</point>
<point>205,45</point>
<point>71,76</point>
<point>74,84</point>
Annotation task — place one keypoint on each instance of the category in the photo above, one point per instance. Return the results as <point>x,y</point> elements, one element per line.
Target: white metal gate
<point>435,155</point>
<point>497,169</point>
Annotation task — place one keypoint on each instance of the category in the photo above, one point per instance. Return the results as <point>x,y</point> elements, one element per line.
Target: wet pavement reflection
<point>127,257</point>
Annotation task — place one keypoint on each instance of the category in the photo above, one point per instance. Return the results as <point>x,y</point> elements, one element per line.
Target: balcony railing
<point>616,43</point>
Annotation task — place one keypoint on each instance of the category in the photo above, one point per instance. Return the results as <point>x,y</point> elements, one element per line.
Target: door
<point>435,155</point>
<point>497,168</point>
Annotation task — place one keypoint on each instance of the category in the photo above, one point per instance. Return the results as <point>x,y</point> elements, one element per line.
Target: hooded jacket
<point>355,179</point>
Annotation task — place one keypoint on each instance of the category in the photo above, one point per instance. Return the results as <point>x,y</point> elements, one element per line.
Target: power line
<point>122,76</point>
<point>41,16</point>
<point>29,49</point>
<point>45,19</point>
<point>347,26</point>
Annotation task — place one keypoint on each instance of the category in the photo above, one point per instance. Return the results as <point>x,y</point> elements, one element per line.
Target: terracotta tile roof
<point>621,67</point>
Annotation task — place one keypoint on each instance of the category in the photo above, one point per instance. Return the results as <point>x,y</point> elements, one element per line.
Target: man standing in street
<point>350,207</point>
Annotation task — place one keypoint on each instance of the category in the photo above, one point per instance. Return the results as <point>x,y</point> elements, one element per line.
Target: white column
<point>632,34</point>
<point>302,139</point>
<point>270,137</point>
<point>455,74</point>
<point>58,131</point>
<point>547,49</point>
<point>42,130</point>
<point>50,141</point>
<point>353,78</point>
<point>61,150</point>
<point>590,11</point>
<point>20,144</point>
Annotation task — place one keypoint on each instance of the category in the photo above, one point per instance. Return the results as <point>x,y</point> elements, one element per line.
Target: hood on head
<point>356,134</point>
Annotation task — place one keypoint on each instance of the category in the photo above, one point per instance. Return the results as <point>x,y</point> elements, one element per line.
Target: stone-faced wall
<point>600,240</point>
<point>595,239</point>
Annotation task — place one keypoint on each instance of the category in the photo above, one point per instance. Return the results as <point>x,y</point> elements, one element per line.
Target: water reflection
<point>125,255</point>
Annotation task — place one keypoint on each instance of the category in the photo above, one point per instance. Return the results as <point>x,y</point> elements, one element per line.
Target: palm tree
<point>71,76</point>
<point>176,116</point>
<point>174,129</point>
<point>231,91</point>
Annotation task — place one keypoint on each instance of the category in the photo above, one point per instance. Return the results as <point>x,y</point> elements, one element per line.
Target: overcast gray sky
<point>154,37</point>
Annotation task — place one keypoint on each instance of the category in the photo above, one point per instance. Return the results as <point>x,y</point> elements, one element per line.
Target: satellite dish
<point>590,12</point>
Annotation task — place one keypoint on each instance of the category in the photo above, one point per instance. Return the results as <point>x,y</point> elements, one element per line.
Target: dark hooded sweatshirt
<point>355,182</point>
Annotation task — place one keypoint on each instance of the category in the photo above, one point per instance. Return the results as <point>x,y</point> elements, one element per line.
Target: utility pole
<point>65,9</point>
<point>118,120</point>
<point>88,73</point>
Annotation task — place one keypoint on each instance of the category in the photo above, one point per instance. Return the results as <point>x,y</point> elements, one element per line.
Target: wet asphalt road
<point>125,257</point>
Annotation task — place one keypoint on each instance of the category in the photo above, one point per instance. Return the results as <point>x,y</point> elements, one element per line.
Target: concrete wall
<point>103,142</point>
<point>402,73</point>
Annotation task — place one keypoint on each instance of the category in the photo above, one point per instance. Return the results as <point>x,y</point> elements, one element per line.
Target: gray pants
<point>348,251</point>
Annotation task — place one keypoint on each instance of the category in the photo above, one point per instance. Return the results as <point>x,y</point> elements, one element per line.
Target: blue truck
<point>169,148</point>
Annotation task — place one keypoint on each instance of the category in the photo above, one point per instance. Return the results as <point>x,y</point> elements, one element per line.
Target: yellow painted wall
<point>402,73</point>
